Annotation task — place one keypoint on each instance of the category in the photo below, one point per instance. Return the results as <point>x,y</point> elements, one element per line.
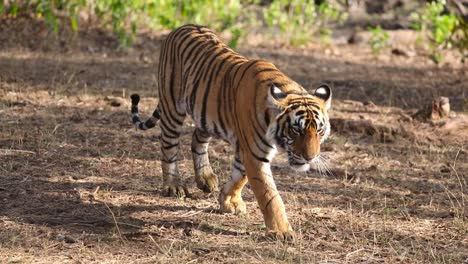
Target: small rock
<point>394,163</point>
<point>188,231</point>
<point>91,49</point>
<point>356,38</point>
<point>114,102</point>
<point>437,188</point>
<point>369,104</point>
<point>405,117</point>
<point>401,52</point>
<point>144,58</point>
<point>444,169</point>
<point>66,239</point>
<point>13,104</point>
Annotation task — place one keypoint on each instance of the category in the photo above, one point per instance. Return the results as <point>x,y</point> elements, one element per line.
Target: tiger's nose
<point>309,157</point>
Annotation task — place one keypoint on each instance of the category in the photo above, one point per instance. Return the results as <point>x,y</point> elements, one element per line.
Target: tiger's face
<point>302,123</point>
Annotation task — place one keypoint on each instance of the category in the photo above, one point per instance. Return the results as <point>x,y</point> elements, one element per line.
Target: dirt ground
<point>79,185</point>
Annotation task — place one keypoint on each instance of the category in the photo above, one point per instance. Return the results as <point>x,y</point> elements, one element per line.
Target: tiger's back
<point>194,76</point>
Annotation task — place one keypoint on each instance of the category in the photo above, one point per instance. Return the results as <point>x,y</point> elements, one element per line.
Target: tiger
<point>250,104</point>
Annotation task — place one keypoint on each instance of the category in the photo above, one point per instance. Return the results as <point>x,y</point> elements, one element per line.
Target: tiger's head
<point>301,122</point>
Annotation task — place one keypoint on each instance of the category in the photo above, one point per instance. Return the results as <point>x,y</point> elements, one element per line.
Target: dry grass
<point>79,185</point>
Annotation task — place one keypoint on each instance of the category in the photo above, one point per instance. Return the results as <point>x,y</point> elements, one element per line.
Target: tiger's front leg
<point>206,180</point>
<point>230,197</point>
<point>268,198</point>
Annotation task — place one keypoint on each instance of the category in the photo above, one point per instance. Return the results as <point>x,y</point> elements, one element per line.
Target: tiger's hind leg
<point>206,180</point>
<point>230,197</point>
<point>170,137</point>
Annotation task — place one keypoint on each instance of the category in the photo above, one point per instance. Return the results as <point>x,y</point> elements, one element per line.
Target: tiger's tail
<point>139,124</point>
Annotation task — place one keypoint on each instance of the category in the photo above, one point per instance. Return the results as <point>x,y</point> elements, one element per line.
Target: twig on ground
<point>191,213</point>
<point>11,151</point>
<point>115,222</point>
<point>354,252</point>
<point>13,183</point>
<point>157,245</point>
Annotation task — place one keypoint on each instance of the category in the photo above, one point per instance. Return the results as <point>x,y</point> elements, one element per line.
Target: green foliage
<point>378,40</point>
<point>438,28</point>
<point>11,9</point>
<point>296,21</point>
<point>301,20</point>
<point>219,15</point>
<point>236,35</point>
<point>124,16</point>
<point>46,9</point>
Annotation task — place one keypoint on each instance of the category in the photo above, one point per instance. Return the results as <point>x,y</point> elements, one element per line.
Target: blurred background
<point>437,25</point>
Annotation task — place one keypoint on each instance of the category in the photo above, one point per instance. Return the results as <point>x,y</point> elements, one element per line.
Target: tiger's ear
<point>324,92</point>
<point>275,95</point>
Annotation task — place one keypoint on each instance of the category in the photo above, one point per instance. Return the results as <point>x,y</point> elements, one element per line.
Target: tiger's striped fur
<point>249,103</point>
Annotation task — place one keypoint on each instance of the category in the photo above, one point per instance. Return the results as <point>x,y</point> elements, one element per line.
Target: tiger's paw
<point>288,236</point>
<point>208,183</point>
<point>175,190</point>
<point>232,205</point>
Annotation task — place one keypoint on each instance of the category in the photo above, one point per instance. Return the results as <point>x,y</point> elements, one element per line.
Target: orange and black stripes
<point>249,103</point>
